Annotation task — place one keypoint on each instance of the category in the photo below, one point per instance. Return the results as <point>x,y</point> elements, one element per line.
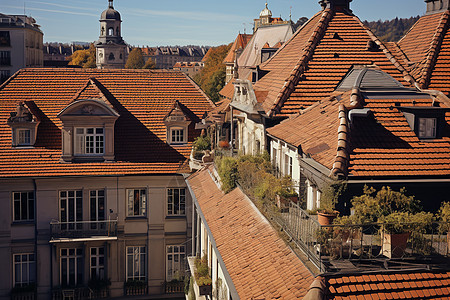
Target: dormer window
<point>177,122</point>
<point>23,125</point>
<point>89,141</point>
<point>427,128</point>
<point>177,135</point>
<point>88,131</point>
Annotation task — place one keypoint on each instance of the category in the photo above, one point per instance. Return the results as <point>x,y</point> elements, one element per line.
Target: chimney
<point>336,4</point>
<point>434,6</point>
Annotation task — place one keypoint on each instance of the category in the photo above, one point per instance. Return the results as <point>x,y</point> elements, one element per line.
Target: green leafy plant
<point>330,196</point>
<point>202,271</point>
<point>443,216</point>
<point>202,143</point>
<point>134,283</point>
<point>227,169</point>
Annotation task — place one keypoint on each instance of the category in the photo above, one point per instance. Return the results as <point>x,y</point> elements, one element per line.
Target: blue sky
<point>181,22</point>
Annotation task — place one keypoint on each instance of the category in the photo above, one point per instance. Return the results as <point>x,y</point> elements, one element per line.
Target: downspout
<point>36,233</point>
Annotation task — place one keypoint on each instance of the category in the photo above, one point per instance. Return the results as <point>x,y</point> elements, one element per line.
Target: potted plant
<point>136,287</point>
<point>202,277</point>
<point>327,212</point>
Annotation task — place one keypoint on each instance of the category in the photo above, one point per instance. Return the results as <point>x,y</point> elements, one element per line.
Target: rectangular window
<point>89,141</point>
<point>24,269</point>
<point>5,58</point>
<point>175,263</point>
<point>177,135</point>
<point>97,209</point>
<point>290,166</point>
<point>71,267</point>
<point>24,136</point>
<point>427,127</point>
<point>136,263</point>
<point>23,206</point>
<point>97,263</point>
<point>4,75</point>
<point>71,210</point>
<point>5,40</point>
<point>136,202</point>
<point>176,202</point>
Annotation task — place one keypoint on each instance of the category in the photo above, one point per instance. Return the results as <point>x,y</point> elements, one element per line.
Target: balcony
<point>335,248</point>
<point>83,230</point>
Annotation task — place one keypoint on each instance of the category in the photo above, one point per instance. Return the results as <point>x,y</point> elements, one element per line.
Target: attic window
<point>427,128</point>
<point>23,126</point>
<point>177,135</point>
<point>177,124</point>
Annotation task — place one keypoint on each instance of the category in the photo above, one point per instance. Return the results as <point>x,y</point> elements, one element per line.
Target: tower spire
<point>111,4</point>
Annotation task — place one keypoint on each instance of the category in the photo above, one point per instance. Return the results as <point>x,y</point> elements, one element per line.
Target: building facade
<point>94,201</point>
<point>21,44</point>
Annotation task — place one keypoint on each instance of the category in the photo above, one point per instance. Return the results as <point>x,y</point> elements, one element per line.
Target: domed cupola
<point>111,48</point>
<point>110,13</point>
<point>265,16</point>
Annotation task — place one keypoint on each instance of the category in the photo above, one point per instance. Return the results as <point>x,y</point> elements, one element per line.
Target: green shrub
<point>202,143</point>
<point>227,168</point>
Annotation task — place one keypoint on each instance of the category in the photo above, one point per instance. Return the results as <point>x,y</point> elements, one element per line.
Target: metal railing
<point>78,293</point>
<point>83,229</point>
<point>325,246</point>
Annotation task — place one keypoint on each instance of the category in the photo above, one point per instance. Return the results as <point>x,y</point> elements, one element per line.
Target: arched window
<point>103,31</point>
<point>110,31</point>
<point>117,31</point>
<point>111,56</point>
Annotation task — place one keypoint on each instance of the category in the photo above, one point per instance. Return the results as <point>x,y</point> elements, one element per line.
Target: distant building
<point>111,49</point>
<point>21,43</point>
<point>58,54</point>
<point>167,57</point>
<point>189,68</point>
<point>265,19</point>
<point>234,53</point>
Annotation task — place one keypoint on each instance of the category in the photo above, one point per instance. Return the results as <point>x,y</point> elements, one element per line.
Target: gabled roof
<point>141,97</point>
<point>239,43</point>
<point>315,60</point>
<point>424,47</point>
<point>381,143</point>
<point>259,263</point>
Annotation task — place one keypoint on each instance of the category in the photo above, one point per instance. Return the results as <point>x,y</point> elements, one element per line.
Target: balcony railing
<point>336,247</point>
<point>83,229</point>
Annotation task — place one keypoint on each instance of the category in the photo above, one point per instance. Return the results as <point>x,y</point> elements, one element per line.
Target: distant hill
<point>391,30</point>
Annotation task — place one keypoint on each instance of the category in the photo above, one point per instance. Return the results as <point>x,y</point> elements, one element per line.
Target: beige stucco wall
<point>155,231</point>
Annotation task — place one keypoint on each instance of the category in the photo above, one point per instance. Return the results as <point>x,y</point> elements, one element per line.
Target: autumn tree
<point>84,58</point>
<point>150,64</point>
<point>212,77</point>
<point>135,59</point>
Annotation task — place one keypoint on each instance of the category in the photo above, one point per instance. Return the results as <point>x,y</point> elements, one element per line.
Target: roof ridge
<point>342,157</point>
<point>198,88</point>
<point>300,67</point>
<point>435,46</point>
<point>287,42</point>
<point>387,53</point>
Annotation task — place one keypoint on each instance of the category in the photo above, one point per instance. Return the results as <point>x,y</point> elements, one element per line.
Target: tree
<point>150,64</point>
<point>212,77</point>
<point>84,58</point>
<point>135,59</point>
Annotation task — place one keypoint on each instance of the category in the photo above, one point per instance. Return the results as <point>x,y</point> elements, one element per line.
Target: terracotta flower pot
<point>394,245</point>
<point>325,218</point>
<point>224,144</point>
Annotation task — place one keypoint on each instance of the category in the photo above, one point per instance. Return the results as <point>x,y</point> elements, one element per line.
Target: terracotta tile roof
<point>239,43</point>
<point>259,263</point>
<point>390,285</point>
<point>314,61</point>
<point>228,90</point>
<point>141,97</point>
<point>380,146</point>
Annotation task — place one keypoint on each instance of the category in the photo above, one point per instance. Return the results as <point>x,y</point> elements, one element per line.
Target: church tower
<point>110,48</point>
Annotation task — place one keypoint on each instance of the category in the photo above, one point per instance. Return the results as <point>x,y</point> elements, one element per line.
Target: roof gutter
<point>356,181</point>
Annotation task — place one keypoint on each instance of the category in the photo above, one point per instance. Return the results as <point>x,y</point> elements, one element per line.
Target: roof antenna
<point>24,9</point>
<point>244,27</point>
<point>290,13</point>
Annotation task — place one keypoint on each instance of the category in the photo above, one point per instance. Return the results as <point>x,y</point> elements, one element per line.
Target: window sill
<point>176,217</point>
<point>25,223</point>
<point>137,218</point>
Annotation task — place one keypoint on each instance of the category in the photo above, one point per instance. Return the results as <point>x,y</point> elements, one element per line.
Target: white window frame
<point>97,200</point>
<point>427,128</point>
<point>138,267</point>
<point>89,144</point>
<point>77,197</point>
<point>97,263</point>
<point>25,261</point>
<point>77,256</point>
<point>23,137</point>
<point>131,202</point>
<point>172,202</point>
<point>28,210</point>
<point>176,136</point>
<point>175,262</point>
